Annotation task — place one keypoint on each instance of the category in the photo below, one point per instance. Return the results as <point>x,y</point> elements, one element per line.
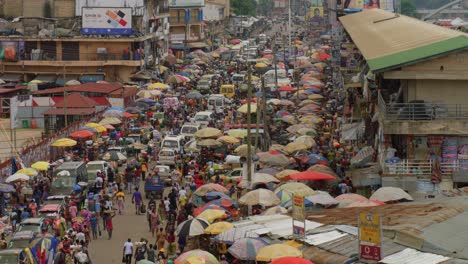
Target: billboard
<point>370,236</point>
<point>106,21</point>
<point>186,3</point>
<point>316,14</point>
<point>137,6</point>
<point>388,5</point>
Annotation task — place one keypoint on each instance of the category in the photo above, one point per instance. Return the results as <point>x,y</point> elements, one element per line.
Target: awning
<point>87,78</point>
<point>61,81</point>
<point>197,45</point>
<point>179,46</point>
<point>69,111</point>
<point>46,78</point>
<point>12,77</point>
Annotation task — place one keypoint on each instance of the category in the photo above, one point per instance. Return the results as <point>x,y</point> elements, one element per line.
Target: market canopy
<point>388,41</point>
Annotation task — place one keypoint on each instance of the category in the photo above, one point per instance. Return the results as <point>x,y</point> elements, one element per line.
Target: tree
<point>244,7</point>
<point>408,8</point>
<point>265,7</point>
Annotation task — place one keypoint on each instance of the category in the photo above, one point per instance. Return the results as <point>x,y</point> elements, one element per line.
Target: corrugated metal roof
<point>69,111</point>
<point>318,239</point>
<point>412,256</point>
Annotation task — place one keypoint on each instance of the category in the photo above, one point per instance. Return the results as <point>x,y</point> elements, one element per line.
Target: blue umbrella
<point>6,188</point>
<point>186,74</point>
<point>44,248</point>
<point>216,195</point>
<point>116,108</point>
<point>76,188</point>
<point>90,129</point>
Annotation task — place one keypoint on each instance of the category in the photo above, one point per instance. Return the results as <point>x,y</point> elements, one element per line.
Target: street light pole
<point>249,121</point>
<point>289,25</point>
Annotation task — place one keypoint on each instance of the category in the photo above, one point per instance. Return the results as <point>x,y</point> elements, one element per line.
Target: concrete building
<point>186,26</point>
<point>216,15</point>
<point>417,81</point>
<point>66,39</point>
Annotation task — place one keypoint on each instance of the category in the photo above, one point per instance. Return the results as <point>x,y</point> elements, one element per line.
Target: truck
<point>154,187</point>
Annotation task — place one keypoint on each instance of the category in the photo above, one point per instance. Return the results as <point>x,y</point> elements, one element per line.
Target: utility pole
<point>65,99</point>
<point>275,61</point>
<point>266,131</point>
<point>249,121</point>
<point>289,25</point>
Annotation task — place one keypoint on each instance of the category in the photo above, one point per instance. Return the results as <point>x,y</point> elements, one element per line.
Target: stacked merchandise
<point>449,153</point>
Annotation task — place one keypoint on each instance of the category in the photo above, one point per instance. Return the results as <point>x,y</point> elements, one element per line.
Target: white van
<point>204,118</point>
<point>167,156</point>
<point>216,102</point>
<point>238,78</point>
<point>93,167</point>
<point>173,142</point>
<point>188,130</point>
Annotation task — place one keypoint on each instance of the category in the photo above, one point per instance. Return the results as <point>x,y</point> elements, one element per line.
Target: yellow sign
<point>369,228</point>
<point>298,208</point>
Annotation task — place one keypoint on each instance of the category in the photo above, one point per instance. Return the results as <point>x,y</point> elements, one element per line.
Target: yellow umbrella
<point>41,165</point>
<point>98,127</point>
<point>237,133</point>
<point>158,85</point>
<point>162,69</point>
<point>36,82</point>
<point>293,243</point>
<point>280,175</point>
<point>243,109</point>
<point>207,132</point>
<point>212,214</point>
<point>306,140</point>
<point>295,146</point>
<point>229,139</point>
<point>64,142</point>
<point>315,96</point>
<point>242,150</point>
<point>254,78</point>
<point>311,119</point>
<point>110,121</point>
<point>145,94</point>
<point>260,65</point>
<point>215,55</point>
<point>275,251</point>
<point>218,228</point>
<point>27,171</point>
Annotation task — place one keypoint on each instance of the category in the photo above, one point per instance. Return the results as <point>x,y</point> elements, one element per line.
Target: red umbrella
<point>81,134</point>
<point>324,56</point>
<point>235,41</point>
<point>268,56</point>
<point>126,114</point>
<point>291,260</point>
<point>310,176</point>
<point>286,88</point>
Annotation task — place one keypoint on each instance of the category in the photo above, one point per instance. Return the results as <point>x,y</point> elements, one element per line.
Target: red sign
<point>370,252</point>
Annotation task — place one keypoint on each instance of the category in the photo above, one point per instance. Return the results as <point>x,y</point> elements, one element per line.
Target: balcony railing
<point>84,57</point>
<point>419,168</point>
<point>425,111</point>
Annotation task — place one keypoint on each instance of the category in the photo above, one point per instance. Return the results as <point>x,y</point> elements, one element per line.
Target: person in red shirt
<point>109,225</point>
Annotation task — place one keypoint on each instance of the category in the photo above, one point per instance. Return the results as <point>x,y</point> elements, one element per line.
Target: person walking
<point>160,238</point>
<point>137,199</point>
<point>127,252</point>
<point>109,225</point>
<point>154,219</point>
<point>120,197</point>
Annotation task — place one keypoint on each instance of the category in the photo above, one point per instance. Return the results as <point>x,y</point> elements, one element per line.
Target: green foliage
<point>244,7</point>
<point>408,8</point>
<point>265,7</point>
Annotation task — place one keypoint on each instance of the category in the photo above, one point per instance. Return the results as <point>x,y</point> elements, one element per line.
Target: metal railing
<point>419,168</point>
<point>424,111</point>
<point>94,56</point>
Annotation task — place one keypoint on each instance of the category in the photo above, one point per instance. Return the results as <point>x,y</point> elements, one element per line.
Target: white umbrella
<point>17,177</point>
<point>192,227</point>
<point>263,178</point>
<point>260,197</point>
<point>388,194</point>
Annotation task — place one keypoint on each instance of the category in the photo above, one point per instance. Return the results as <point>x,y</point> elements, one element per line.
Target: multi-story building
<point>54,41</point>
<point>186,25</point>
<point>216,15</point>
<point>418,82</point>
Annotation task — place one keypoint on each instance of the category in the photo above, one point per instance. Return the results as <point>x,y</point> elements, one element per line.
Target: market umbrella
<point>246,248</point>
<point>306,140</point>
<point>310,176</point>
<point>158,85</point>
<point>270,171</point>
<point>109,127</point>
<point>194,95</point>
<point>242,150</point>
<point>207,132</point>
<point>218,228</point>
<point>235,41</point>
<point>196,255</point>
<point>260,65</point>
<point>225,203</point>
<point>210,187</point>
<point>43,248</point>
<point>295,146</point>
<point>306,131</point>
<point>133,110</point>
<point>275,210</point>
<point>6,188</point>
<point>311,119</point>
<point>321,167</point>
<point>291,260</point>
<point>259,178</point>
<point>390,194</point>
<point>351,196</point>
<point>295,128</point>
<point>295,187</point>
<point>216,195</point>
<point>210,215</point>
<point>138,145</point>
<point>286,88</point>
<point>113,113</point>
<point>145,94</point>
<point>228,139</point>
<point>114,156</point>
<point>98,127</point>
<point>110,121</point>
<point>322,198</point>
<point>262,197</point>
<point>27,171</point>
<point>64,142</point>
<point>90,129</point>
<point>192,227</point>
<point>282,174</point>
<point>145,261</point>
<point>237,133</point>
<point>275,251</point>
<point>81,134</point>
<point>315,96</point>
<point>244,108</point>
<point>17,177</point>
<point>209,142</point>
<point>279,160</point>
<point>40,165</point>
<point>209,206</point>
<point>289,119</point>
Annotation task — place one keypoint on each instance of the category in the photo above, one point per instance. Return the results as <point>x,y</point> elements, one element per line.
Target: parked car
<point>21,239</point>
<point>56,199</point>
<point>10,256</point>
<point>50,211</point>
<point>35,224</point>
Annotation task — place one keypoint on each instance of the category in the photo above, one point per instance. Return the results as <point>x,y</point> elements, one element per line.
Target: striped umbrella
<point>194,255</point>
<point>191,228</point>
<point>246,248</point>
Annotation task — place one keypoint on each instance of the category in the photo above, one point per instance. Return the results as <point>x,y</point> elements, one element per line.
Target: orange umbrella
<point>81,134</point>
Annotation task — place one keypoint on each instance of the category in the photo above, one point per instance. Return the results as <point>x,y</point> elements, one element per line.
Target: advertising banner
<point>186,3</point>
<point>298,215</point>
<point>370,236</point>
<point>137,6</point>
<point>106,21</point>
<point>388,5</point>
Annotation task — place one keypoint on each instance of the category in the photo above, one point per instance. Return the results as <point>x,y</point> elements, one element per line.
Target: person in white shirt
<point>183,192</point>
<point>128,251</point>
<point>80,237</point>
<point>167,204</point>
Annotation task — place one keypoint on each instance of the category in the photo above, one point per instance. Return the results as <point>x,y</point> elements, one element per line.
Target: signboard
<point>370,236</point>
<point>298,215</point>
<point>186,3</point>
<point>388,5</point>
<point>106,21</point>
<point>137,6</point>
<point>370,252</point>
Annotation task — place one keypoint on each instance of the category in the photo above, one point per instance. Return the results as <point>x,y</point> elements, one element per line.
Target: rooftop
<point>76,100</point>
<point>102,88</point>
<point>388,41</point>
